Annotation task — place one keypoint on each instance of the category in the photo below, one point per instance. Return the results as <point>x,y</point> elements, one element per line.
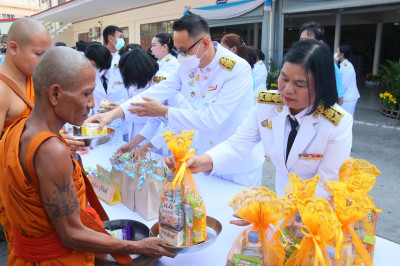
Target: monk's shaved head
<point>60,65</point>
<point>23,31</point>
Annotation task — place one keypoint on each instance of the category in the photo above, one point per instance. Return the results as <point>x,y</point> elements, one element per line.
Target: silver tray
<point>101,139</point>
<point>214,228</point>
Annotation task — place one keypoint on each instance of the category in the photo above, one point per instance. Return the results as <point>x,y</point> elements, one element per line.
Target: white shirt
<point>168,64</point>
<point>316,136</point>
<point>220,98</point>
<point>260,77</point>
<point>350,90</point>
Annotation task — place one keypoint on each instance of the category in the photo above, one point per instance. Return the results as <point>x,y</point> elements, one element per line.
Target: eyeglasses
<point>187,50</point>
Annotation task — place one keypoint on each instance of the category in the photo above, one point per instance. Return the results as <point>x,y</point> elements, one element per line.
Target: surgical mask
<point>120,43</point>
<point>335,57</point>
<point>99,73</point>
<point>190,61</point>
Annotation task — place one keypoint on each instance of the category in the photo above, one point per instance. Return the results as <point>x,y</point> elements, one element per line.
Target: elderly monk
<point>42,186</point>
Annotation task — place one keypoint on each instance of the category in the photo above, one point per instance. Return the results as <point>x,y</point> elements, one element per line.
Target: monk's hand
<point>200,163</point>
<point>170,162</point>
<point>239,222</point>
<point>151,107</point>
<point>74,145</point>
<point>152,247</point>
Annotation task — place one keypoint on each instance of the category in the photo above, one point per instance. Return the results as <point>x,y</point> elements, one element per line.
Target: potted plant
<point>373,79</point>
<point>391,84</point>
<point>273,75</point>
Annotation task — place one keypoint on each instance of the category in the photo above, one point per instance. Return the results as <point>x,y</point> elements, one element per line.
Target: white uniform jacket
<point>350,90</point>
<point>168,64</point>
<point>116,91</point>
<point>260,77</point>
<point>221,98</point>
<point>317,135</point>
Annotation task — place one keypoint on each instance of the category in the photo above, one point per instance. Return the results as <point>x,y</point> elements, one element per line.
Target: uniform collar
<point>214,62</point>
<point>300,116</point>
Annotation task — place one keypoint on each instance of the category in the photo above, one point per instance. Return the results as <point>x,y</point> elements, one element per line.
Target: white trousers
<point>349,106</point>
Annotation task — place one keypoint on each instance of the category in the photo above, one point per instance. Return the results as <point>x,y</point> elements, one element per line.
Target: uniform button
<point>205,77</point>
<point>192,94</point>
<point>208,69</point>
<point>203,96</point>
<point>191,75</point>
<point>279,109</point>
<point>315,115</point>
<point>267,158</point>
<point>211,143</point>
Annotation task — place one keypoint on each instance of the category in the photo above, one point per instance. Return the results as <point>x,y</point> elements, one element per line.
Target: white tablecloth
<point>216,193</point>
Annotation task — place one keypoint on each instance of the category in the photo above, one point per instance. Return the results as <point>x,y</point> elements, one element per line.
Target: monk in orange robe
<point>42,186</point>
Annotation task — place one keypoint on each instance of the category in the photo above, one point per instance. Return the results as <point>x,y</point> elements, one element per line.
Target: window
<point>147,31</point>
<point>125,31</point>
<point>7,16</point>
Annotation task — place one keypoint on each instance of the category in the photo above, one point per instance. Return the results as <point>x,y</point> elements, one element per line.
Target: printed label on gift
<point>104,191</point>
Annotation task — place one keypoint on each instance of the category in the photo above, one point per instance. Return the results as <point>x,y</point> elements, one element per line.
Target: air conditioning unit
<point>94,32</point>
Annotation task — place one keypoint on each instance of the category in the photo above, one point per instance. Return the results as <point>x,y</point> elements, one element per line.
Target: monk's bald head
<point>24,30</point>
<point>60,65</point>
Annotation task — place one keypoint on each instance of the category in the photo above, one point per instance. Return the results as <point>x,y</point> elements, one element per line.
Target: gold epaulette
<point>271,97</point>
<point>158,79</point>
<point>331,114</point>
<point>227,63</point>
<point>167,59</point>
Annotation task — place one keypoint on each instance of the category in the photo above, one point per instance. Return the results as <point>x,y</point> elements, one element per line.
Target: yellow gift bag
<point>259,243</point>
<point>182,212</point>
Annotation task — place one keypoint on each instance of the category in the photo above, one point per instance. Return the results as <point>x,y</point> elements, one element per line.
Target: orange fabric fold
<point>38,249</point>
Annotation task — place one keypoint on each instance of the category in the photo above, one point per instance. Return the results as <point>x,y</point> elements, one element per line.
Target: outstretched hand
<point>239,222</point>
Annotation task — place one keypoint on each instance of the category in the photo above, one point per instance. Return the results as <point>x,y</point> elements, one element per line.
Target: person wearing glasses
<point>216,82</point>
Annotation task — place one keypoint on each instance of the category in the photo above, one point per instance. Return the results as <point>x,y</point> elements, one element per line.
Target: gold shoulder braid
<point>158,79</point>
<point>271,97</point>
<point>331,114</point>
<point>227,63</point>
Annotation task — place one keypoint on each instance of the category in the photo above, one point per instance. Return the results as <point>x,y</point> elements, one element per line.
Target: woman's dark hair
<point>346,51</point>
<point>252,54</point>
<point>165,38</point>
<point>99,54</point>
<point>129,47</point>
<point>137,68</point>
<point>260,54</point>
<point>232,40</point>
<point>315,58</point>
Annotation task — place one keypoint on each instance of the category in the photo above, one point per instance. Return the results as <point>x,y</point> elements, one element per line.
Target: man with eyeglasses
<point>219,86</point>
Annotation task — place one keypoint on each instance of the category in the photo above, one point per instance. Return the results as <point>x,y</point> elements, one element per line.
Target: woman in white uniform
<point>301,127</point>
<point>350,90</point>
<point>140,72</point>
<point>162,47</point>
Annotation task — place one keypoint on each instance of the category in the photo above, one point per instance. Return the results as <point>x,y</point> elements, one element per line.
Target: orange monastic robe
<point>24,209</point>
<point>27,111</point>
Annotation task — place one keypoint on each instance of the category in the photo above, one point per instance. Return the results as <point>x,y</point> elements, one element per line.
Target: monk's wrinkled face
<point>75,103</point>
<point>26,57</point>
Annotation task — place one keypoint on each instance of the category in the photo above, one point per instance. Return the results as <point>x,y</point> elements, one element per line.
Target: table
<point>216,193</point>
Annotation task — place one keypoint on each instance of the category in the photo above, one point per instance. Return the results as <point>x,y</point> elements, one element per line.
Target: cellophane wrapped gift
<point>297,189</point>
<point>182,214</point>
<point>355,240</point>
<point>319,226</point>
<point>259,243</point>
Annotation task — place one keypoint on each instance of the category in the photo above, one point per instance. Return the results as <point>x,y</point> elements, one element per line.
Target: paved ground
<point>376,139</point>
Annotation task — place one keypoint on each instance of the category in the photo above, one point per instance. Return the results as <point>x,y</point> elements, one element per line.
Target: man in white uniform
<point>114,40</point>
<point>216,82</point>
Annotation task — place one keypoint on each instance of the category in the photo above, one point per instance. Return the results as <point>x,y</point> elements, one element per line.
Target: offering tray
<point>101,139</point>
<point>138,231</point>
<point>214,228</point>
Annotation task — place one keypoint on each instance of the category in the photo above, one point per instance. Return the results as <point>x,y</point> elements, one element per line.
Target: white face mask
<point>99,73</point>
<point>190,61</point>
<point>335,57</point>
